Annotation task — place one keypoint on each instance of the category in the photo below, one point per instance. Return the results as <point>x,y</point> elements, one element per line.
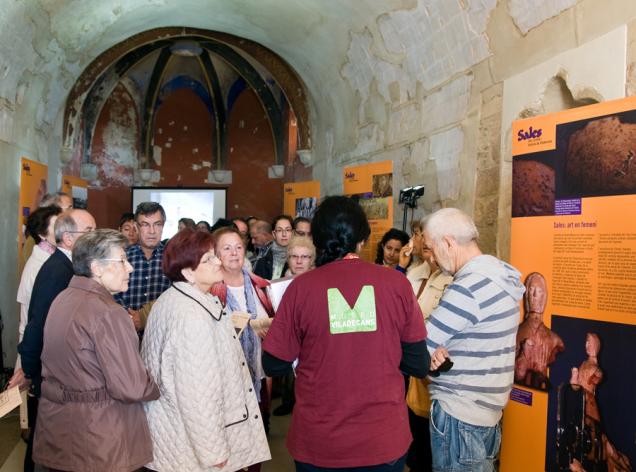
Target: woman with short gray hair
<point>90,415</point>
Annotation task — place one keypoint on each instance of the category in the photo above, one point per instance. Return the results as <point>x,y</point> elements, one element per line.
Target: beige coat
<point>417,396</point>
<point>90,416</point>
<point>434,287</point>
<point>208,412</point>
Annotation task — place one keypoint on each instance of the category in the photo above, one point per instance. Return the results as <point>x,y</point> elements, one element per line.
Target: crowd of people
<point>141,353</point>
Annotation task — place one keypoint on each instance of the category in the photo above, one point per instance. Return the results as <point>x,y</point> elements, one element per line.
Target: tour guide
<point>354,328</point>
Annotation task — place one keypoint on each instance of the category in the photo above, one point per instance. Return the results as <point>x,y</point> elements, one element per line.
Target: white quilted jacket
<point>207,412</point>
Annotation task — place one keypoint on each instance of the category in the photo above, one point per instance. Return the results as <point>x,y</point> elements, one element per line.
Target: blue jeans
<point>394,466</point>
<point>462,447</point>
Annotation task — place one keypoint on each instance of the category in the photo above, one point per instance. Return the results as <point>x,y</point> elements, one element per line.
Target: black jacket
<point>264,265</point>
<point>53,277</point>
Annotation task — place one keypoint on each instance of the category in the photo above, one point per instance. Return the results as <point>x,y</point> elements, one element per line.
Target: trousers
<point>462,447</point>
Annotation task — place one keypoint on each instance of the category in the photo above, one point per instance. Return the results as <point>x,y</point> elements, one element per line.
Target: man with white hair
<point>475,324</point>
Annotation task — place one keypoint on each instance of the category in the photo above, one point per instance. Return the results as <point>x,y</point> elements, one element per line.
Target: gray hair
<point>95,246</point>
<point>450,222</point>
<point>64,224</point>
<point>53,199</point>
<point>149,208</point>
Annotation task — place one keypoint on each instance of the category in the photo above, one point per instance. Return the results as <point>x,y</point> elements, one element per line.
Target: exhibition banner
<point>372,186</point>
<point>301,198</point>
<point>33,186</point>
<point>574,240</point>
<point>76,188</point>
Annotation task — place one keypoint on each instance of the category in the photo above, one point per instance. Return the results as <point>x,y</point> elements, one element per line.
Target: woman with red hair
<point>207,417</point>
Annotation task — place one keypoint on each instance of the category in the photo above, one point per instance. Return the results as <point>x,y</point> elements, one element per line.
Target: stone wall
<point>428,85</point>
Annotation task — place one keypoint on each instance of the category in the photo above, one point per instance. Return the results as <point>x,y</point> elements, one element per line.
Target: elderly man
<point>52,279</point>
<point>261,235</point>
<point>476,324</point>
<point>147,281</point>
<point>537,345</point>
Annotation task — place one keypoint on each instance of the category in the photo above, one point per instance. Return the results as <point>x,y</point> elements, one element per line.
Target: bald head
<point>261,233</point>
<point>70,225</point>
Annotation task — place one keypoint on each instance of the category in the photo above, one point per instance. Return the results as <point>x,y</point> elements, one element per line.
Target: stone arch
<point>251,57</point>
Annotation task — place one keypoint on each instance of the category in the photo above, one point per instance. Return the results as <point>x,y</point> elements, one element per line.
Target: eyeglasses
<point>300,257</point>
<point>89,230</point>
<point>302,233</point>
<point>123,261</point>
<point>210,260</point>
<point>283,230</point>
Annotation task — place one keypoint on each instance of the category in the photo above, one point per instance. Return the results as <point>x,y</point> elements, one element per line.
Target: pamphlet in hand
<point>9,399</point>
<point>276,290</point>
<point>240,320</point>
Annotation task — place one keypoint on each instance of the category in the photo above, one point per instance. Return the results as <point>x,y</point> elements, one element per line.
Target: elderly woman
<point>39,226</point>
<point>301,255</point>
<point>354,327</point>
<point>243,292</point>
<point>429,283</point>
<point>90,415</point>
<point>207,417</point>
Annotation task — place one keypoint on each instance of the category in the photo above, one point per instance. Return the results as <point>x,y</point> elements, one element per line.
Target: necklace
<point>197,301</point>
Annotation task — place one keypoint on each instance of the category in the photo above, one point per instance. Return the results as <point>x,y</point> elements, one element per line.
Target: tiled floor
<point>14,446</point>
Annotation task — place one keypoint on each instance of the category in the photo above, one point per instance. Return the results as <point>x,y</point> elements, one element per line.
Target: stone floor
<point>12,447</point>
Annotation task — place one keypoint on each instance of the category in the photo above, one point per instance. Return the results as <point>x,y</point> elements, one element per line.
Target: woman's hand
<point>405,255</point>
<point>136,319</point>
<point>261,326</point>
<point>18,379</point>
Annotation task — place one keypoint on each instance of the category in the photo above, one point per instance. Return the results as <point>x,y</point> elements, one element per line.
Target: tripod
<point>409,196</point>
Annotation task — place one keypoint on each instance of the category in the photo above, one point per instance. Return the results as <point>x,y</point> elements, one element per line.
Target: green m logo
<point>359,319</point>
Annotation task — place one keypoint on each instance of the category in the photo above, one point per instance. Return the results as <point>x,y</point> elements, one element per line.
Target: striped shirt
<point>147,281</point>
<point>476,321</point>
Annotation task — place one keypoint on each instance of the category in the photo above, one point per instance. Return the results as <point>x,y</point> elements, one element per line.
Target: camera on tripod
<point>409,195</point>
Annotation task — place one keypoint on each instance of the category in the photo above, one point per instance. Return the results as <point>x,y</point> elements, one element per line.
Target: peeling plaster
<point>403,123</point>
<point>528,14</point>
<point>16,49</point>
<point>363,67</point>
<point>156,154</point>
<point>6,122</point>
<point>370,138</point>
<point>445,150</point>
<point>446,106</point>
<point>419,153</point>
<point>436,40</point>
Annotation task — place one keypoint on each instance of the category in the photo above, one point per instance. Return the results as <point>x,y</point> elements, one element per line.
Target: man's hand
<point>136,319</point>
<point>18,379</point>
<point>438,357</point>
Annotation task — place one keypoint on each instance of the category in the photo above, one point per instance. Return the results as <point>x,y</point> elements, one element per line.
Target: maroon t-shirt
<point>350,409</point>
